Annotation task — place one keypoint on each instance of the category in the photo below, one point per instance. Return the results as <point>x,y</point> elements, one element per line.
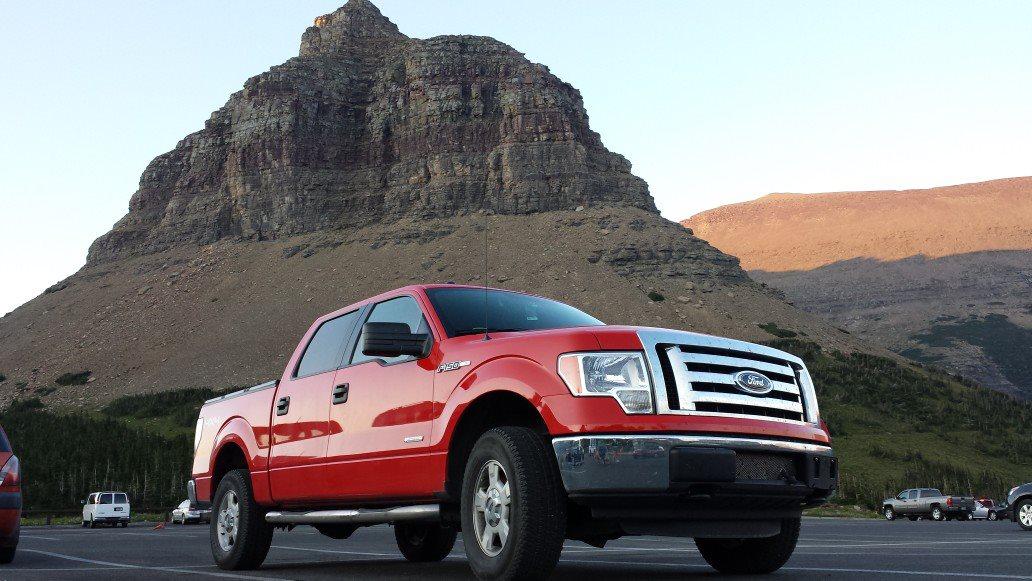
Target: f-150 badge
<point>452,366</point>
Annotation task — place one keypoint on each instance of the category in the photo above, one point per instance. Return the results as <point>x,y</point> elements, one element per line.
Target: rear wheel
<point>993,516</point>
<point>1024,512</point>
<point>889,513</point>
<point>93,523</point>
<point>424,542</point>
<point>751,556</point>
<point>240,537</point>
<point>513,506</point>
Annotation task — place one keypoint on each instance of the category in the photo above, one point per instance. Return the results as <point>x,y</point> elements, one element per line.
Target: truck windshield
<point>469,311</point>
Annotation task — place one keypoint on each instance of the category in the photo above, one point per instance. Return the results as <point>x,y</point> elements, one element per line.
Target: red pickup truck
<point>519,422</point>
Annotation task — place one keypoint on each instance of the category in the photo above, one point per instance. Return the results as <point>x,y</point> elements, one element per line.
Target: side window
<point>105,499</point>
<point>903,495</point>
<point>913,495</point>
<point>323,352</point>
<point>92,499</point>
<point>400,310</point>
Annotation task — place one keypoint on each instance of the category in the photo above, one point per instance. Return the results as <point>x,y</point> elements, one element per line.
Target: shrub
<point>81,378</point>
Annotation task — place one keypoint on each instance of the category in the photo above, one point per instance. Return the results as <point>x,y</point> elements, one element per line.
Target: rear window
<point>120,498</point>
<point>325,350</point>
<point>105,498</point>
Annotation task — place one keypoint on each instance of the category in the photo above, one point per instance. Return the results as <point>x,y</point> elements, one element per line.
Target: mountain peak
<point>356,21</point>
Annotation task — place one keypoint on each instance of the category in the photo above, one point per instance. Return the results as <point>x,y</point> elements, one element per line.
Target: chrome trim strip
<point>259,387</point>
<point>737,363</point>
<point>722,378</point>
<point>758,444</point>
<point>747,400</point>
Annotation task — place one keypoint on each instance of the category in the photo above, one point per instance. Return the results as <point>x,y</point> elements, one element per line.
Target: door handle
<point>340,394</point>
<point>283,405</point>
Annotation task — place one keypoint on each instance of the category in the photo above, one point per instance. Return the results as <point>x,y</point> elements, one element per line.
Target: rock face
<point>943,275</point>
<point>368,125</point>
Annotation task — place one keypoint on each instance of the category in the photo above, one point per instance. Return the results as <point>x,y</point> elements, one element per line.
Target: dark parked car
<point>1020,500</point>
<point>10,500</point>
<point>1000,512</point>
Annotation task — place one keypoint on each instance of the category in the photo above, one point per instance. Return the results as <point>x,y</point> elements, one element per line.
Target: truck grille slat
<point>725,378</point>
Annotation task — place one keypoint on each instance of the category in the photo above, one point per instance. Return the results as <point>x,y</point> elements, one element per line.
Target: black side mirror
<point>393,340</point>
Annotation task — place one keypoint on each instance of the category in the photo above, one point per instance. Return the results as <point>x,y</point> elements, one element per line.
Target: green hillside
<point>895,426</point>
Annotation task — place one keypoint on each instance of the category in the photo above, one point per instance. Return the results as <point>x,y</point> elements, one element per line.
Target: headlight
<point>622,376</point>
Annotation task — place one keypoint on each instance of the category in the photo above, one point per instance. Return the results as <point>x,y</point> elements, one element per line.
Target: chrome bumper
<point>643,463</point>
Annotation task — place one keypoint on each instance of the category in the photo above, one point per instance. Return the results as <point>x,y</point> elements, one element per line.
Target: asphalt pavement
<point>828,549</point>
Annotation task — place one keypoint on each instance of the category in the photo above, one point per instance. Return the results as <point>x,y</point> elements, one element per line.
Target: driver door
<point>380,422</point>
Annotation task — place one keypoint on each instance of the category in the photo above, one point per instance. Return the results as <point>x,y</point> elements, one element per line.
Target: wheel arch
<point>489,410</point>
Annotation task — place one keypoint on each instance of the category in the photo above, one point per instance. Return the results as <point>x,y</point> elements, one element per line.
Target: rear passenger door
<point>299,416</point>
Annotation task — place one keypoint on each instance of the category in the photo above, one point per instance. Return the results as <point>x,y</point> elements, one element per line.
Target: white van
<point>106,508</point>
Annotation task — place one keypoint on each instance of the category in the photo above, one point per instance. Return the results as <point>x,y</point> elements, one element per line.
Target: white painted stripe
<point>817,569</point>
<point>38,538</point>
<point>141,567</point>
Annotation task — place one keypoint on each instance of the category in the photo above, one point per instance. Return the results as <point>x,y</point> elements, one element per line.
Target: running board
<point>359,516</point>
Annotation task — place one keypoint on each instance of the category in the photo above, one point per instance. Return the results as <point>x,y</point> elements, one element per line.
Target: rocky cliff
<point>368,125</point>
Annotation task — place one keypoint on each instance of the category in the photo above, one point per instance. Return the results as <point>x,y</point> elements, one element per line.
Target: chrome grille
<point>704,382</point>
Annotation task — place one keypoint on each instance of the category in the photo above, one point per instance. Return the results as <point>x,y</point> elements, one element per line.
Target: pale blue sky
<point>713,102</point>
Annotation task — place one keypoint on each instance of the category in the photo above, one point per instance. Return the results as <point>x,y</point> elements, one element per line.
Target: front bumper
<point>696,467</point>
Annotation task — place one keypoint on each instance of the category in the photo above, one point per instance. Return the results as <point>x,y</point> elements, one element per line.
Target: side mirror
<point>393,340</point>
<point>82,502</point>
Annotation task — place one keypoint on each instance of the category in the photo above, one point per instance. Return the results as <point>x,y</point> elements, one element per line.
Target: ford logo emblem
<point>753,383</point>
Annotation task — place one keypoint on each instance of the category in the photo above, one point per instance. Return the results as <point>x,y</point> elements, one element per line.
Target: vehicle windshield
<point>470,311</point>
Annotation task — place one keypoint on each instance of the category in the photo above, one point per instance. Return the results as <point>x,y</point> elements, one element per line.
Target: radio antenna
<point>484,272</point>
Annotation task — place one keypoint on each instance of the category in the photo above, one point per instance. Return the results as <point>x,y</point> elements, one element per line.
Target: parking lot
<point>828,549</point>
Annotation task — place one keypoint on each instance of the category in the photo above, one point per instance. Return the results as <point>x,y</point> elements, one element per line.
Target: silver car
<point>187,513</point>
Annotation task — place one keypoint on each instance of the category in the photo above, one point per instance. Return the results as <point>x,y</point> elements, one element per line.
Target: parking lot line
<point>109,564</point>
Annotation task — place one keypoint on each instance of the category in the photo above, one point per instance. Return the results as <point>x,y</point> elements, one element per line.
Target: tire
<point>751,556</point>
<point>125,524</point>
<point>7,554</point>
<point>423,542</point>
<point>240,537</point>
<point>85,524</point>
<point>993,516</point>
<point>93,524</point>
<point>519,489</point>
<point>937,513</point>
<point>1023,514</point>
<point>889,513</point>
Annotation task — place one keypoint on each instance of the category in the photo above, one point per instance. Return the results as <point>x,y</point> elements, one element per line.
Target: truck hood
<point>626,337</point>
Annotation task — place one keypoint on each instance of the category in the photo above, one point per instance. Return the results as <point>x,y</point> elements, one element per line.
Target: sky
<point>714,102</point>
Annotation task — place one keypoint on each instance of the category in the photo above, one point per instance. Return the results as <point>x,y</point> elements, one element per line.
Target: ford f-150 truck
<point>928,502</point>
<point>519,422</point>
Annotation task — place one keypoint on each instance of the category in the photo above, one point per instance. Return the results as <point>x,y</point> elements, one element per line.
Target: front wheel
<point>424,543</point>
<point>992,516</point>
<point>751,556</point>
<point>889,513</point>
<point>1024,512</point>
<point>240,537</point>
<point>937,514</point>
<point>513,506</point>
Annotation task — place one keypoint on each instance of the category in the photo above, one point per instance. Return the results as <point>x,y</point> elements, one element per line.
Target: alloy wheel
<point>1025,515</point>
<point>228,523</point>
<point>491,508</point>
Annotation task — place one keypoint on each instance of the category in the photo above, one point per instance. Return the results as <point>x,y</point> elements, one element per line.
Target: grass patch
<point>897,426</point>
<point>39,520</point>
<point>841,511</point>
<point>777,331</point>
<point>81,378</point>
